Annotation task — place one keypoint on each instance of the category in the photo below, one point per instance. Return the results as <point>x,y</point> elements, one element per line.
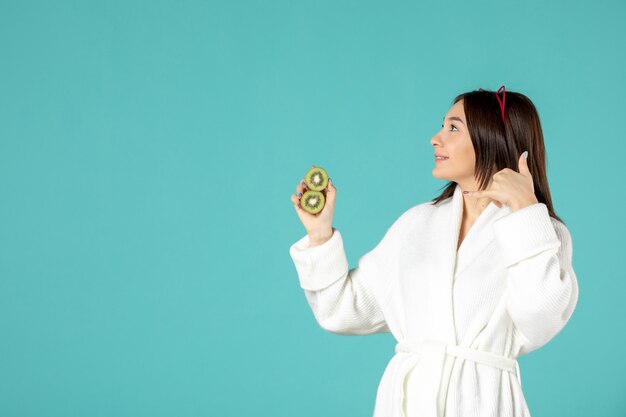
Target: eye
<point>454,127</point>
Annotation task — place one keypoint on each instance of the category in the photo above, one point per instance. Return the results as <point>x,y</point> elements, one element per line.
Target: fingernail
<point>299,195</point>
<point>302,183</point>
<point>525,154</point>
<point>465,192</point>
<point>299,205</point>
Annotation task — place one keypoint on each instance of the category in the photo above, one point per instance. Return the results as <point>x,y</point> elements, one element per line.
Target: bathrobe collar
<point>454,262</point>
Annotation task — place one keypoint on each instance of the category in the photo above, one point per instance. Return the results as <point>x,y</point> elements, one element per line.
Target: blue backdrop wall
<point>149,150</point>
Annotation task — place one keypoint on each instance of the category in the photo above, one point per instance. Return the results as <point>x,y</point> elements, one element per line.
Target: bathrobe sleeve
<point>542,288</point>
<point>347,301</point>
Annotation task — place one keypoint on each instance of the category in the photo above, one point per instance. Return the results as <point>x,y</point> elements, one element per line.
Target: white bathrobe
<point>460,319</point>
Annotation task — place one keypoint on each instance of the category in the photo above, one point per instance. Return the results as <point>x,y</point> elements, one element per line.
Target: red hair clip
<point>502,101</point>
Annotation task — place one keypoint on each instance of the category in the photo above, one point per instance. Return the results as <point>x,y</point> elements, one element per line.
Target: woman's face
<point>453,141</point>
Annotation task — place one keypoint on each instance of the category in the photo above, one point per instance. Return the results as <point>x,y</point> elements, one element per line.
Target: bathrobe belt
<point>436,351</point>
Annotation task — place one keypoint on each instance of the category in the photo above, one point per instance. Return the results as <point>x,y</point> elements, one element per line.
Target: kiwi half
<point>312,201</point>
<point>316,179</point>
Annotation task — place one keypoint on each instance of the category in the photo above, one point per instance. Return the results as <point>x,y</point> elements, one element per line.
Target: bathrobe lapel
<point>480,235</point>
<point>449,264</point>
<point>446,264</point>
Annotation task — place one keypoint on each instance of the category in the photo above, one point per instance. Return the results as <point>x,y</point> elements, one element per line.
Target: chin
<point>439,176</point>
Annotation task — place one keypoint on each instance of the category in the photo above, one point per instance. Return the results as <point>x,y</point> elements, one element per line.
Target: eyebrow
<point>454,118</point>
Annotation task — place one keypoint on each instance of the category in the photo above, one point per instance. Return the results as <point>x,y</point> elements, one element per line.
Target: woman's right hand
<point>318,226</point>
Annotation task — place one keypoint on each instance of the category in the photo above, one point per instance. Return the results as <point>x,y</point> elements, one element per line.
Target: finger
<point>300,188</point>
<point>331,193</point>
<point>330,185</point>
<point>523,165</point>
<point>480,193</point>
<point>296,203</point>
<point>330,188</point>
<point>497,198</point>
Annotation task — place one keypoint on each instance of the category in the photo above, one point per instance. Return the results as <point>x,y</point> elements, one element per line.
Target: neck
<point>473,206</point>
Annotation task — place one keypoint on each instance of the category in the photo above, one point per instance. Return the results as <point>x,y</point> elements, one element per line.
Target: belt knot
<point>440,381</point>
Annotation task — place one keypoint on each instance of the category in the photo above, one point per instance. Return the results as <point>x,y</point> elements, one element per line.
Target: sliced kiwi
<point>316,179</point>
<point>312,201</point>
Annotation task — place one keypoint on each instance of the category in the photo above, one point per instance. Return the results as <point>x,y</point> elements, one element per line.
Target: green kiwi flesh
<point>312,201</point>
<point>316,179</point>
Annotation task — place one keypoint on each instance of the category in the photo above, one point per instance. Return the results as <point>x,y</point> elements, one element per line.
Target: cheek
<point>468,152</point>
<point>465,159</point>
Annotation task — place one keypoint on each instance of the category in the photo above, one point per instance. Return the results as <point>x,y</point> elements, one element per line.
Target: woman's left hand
<point>514,189</point>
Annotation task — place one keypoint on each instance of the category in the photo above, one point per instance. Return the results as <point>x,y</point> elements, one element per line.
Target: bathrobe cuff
<point>321,265</point>
<point>525,233</point>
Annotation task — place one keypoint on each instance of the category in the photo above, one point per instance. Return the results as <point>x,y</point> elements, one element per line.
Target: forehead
<point>457,110</point>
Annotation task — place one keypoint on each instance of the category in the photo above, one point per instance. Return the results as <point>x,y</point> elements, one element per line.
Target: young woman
<point>467,282</point>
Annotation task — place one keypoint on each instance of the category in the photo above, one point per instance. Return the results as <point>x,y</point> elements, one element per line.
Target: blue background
<point>149,150</point>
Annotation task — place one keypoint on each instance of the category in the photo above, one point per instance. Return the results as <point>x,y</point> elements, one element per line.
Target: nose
<point>435,140</point>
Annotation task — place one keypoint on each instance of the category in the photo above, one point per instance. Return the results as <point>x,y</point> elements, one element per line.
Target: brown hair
<point>499,146</point>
